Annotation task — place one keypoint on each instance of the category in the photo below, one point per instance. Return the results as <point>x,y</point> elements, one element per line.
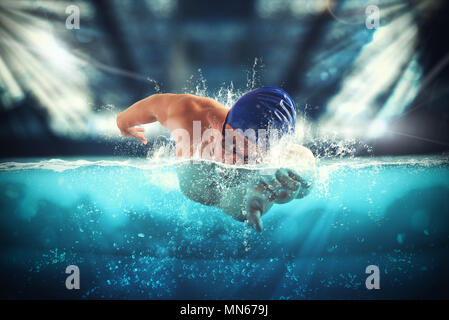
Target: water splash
<point>156,85</point>
<point>196,84</point>
<point>253,78</point>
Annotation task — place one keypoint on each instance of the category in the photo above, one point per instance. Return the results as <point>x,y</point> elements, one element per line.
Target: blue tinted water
<point>134,235</point>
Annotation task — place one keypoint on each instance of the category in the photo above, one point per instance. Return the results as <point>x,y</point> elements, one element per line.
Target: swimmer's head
<point>261,115</point>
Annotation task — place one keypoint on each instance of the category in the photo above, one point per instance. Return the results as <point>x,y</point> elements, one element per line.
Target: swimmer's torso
<point>202,181</point>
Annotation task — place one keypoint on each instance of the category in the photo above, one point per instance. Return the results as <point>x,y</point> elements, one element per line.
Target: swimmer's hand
<point>281,187</point>
<point>293,186</point>
<point>136,133</point>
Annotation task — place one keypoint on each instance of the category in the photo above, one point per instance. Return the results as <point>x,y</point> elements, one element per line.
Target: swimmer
<point>235,136</point>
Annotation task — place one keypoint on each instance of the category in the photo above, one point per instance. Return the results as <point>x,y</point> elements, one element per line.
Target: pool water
<point>134,235</point>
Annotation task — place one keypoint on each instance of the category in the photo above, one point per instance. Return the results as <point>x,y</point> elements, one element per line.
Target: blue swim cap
<point>263,108</point>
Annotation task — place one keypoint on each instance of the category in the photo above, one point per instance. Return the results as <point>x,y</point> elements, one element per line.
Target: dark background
<point>60,89</point>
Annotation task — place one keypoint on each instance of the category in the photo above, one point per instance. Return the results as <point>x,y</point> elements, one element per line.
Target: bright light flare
<point>377,129</point>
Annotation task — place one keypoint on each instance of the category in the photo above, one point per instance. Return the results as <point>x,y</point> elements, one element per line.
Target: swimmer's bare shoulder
<point>299,152</point>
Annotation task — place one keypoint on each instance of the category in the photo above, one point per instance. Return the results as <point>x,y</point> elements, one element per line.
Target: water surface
<point>133,234</point>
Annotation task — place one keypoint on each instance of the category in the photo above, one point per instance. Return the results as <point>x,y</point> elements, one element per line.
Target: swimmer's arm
<point>256,197</point>
<point>284,186</point>
<point>153,108</point>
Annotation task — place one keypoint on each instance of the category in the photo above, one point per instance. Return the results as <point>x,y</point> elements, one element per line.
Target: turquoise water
<point>133,234</point>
